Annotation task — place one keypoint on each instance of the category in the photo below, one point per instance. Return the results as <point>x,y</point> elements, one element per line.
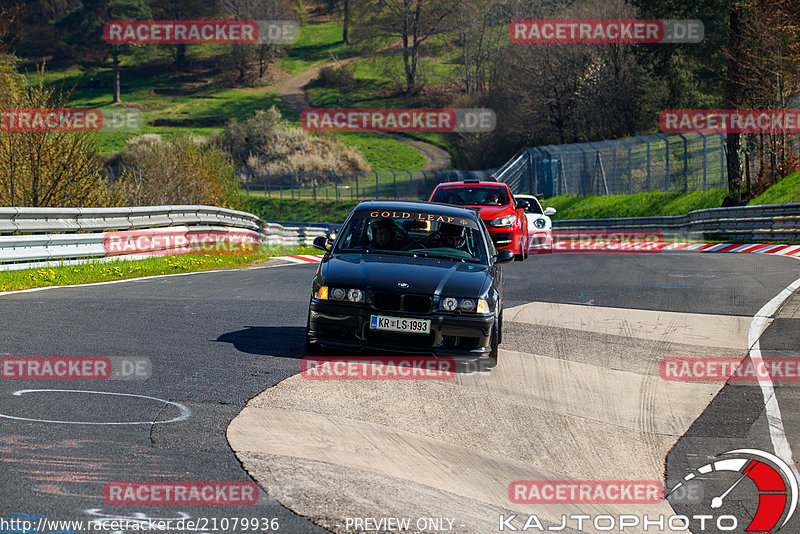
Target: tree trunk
<point>346,23</point>
<point>732,91</point>
<point>116,99</point>
<point>180,55</point>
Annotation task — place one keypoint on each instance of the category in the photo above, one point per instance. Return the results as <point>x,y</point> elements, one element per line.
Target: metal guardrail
<point>780,222</point>
<point>43,237</point>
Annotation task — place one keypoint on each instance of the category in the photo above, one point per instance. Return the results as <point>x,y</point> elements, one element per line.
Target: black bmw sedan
<point>409,277</point>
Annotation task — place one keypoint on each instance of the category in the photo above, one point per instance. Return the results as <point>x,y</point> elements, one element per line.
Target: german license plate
<point>399,324</point>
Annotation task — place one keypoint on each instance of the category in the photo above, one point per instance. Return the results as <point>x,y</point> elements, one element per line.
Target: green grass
<point>318,43</point>
<point>787,191</point>
<point>122,269</point>
<point>170,101</point>
<point>384,153</point>
<point>637,205</point>
<point>322,211</point>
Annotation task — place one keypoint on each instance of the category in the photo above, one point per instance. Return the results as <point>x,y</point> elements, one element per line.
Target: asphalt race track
<point>575,395</point>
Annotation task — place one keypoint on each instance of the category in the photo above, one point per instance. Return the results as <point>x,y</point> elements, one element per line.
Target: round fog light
<point>449,304</point>
<point>338,293</point>
<point>467,305</point>
<point>355,295</point>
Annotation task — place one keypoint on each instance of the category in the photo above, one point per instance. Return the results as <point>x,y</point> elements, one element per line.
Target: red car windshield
<point>471,196</point>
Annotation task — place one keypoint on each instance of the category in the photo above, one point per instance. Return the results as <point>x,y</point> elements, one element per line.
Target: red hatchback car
<point>503,216</point>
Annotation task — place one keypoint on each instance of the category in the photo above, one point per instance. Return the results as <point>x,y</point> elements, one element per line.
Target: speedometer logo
<point>736,472</point>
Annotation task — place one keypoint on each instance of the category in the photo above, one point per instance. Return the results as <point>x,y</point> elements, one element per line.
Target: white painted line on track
<point>185,411</point>
<point>774,421</point>
<point>143,278</point>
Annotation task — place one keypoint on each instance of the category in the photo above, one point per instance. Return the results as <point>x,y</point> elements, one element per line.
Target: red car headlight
<point>504,221</point>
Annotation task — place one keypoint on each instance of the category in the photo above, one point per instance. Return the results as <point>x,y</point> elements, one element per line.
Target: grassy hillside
<point>202,100</point>
<point>322,211</point>
<point>786,191</point>
<point>638,205</point>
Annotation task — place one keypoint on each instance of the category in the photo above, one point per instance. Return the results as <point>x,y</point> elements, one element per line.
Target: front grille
<point>416,304</point>
<point>398,302</point>
<point>388,301</point>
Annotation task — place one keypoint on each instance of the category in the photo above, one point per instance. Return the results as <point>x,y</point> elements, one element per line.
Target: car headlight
<point>355,295</point>
<point>338,293</point>
<point>449,304</point>
<point>505,220</point>
<point>540,224</point>
<point>465,305</point>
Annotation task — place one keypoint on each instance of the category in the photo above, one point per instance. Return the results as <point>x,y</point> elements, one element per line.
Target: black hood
<point>428,276</point>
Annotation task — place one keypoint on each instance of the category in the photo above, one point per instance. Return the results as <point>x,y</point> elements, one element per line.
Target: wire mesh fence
<point>661,162</point>
<point>331,185</point>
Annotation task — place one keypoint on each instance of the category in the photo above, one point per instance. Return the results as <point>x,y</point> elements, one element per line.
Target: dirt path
<point>292,92</point>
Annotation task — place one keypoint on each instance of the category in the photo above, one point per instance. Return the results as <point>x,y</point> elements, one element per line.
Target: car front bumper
<point>345,326</point>
<point>540,242</point>
<point>506,239</point>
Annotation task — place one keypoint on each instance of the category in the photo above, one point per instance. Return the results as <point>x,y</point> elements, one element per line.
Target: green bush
<point>266,142</point>
<point>337,77</point>
<point>178,170</point>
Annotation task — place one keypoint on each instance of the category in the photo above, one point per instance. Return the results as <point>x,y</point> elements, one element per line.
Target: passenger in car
<point>452,236</point>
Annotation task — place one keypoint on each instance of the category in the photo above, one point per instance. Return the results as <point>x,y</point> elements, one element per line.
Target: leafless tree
<point>414,21</point>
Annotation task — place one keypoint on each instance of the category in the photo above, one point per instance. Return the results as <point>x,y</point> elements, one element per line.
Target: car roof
<point>470,184</point>
<point>409,205</point>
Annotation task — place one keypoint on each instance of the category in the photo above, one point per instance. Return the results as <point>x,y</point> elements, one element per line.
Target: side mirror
<point>549,211</point>
<point>522,204</point>
<point>321,242</point>
<point>504,256</point>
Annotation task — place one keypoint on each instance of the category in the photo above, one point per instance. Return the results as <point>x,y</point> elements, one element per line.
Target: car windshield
<point>414,234</point>
<point>471,196</point>
<point>535,208</point>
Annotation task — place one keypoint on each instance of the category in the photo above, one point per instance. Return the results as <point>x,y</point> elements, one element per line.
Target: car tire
<point>500,328</point>
<point>494,342</point>
<point>312,347</point>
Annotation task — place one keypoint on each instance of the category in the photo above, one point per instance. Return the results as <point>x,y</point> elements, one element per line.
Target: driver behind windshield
<point>383,234</point>
<point>492,199</point>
